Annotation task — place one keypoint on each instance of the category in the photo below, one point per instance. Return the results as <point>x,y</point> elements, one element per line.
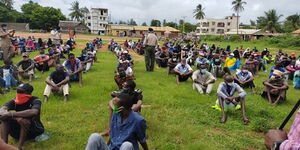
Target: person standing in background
<point>5,41</point>
<point>150,42</point>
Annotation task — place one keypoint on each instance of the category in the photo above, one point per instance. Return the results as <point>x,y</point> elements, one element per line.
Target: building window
<point>89,24</point>
<point>104,18</point>
<point>220,31</point>
<point>221,24</point>
<point>89,17</point>
<point>228,23</point>
<point>101,12</point>
<point>100,24</point>
<point>100,18</point>
<point>212,30</point>
<point>213,23</point>
<point>228,30</point>
<point>205,24</point>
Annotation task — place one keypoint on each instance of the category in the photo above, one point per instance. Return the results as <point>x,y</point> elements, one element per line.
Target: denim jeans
<point>10,81</point>
<point>96,142</point>
<point>2,82</point>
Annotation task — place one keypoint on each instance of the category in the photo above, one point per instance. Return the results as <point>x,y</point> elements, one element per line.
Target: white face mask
<point>230,84</point>
<point>203,71</point>
<point>174,59</point>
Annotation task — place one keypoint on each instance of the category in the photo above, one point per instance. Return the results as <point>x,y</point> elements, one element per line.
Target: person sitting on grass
<point>226,92</point>
<point>86,61</point>
<point>57,82</point>
<point>127,128</point>
<point>275,88</point>
<point>172,63</point>
<point>296,80</point>
<point>123,74</point>
<point>244,78</point>
<point>231,62</point>
<point>41,62</point>
<point>23,123</point>
<point>183,71</point>
<point>162,57</point>
<point>27,67</point>
<point>74,68</point>
<point>278,66</point>
<point>203,80</point>
<point>9,75</point>
<point>201,59</point>
<point>5,146</point>
<point>136,97</point>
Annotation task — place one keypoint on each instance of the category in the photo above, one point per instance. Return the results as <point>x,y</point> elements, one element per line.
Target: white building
<point>97,20</point>
<point>216,26</point>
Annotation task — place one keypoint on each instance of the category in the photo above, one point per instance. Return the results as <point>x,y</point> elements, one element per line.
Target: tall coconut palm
<point>238,6</point>
<point>76,12</point>
<point>270,22</point>
<point>293,21</point>
<point>199,12</point>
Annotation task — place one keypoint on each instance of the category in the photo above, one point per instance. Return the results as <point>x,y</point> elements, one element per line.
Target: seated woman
<point>296,80</point>
<point>292,68</point>
<point>30,45</point>
<point>275,88</point>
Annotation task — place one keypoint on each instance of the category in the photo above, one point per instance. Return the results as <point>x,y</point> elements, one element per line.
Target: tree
<point>292,23</point>
<point>76,12</point>
<point>188,27</point>
<point>45,17</point>
<point>6,15</point>
<point>7,3</point>
<point>27,10</point>
<point>199,12</point>
<point>144,24</point>
<point>155,23</point>
<point>164,22</point>
<point>172,24</point>
<point>270,22</point>
<point>132,22</point>
<point>84,10</point>
<point>238,7</point>
<point>252,23</point>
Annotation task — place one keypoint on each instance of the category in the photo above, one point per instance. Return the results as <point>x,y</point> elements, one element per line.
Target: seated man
<point>232,63</point>
<point>278,66</point>
<point>27,66</point>
<point>244,78</point>
<point>86,61</point>
<point>226,91</point>
<point>203,80</point>
<point>201,59</point>
<point>183,71</point>
<point>162,58</point>
<point>41,62</point>
<point>8,74</point>
<point>74,68</point>
<point>172,63</point>
<point>127,128</point>
<point>136,97</point>
<point>123,74</point>
<point>57,82</point>
<point>24,123</point>
<point>275,88</point>
<point>5,146</point>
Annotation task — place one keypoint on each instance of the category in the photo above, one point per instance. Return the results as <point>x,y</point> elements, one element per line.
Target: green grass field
<point>178,117</point>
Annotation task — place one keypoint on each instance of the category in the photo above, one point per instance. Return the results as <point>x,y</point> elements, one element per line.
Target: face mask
<point>22,98</point>
<point>230,57</point>
<point>203,71</point>
<point>174,59</point>
<point>244,71</point>
<point>4,29</point>
<point>230,84</point>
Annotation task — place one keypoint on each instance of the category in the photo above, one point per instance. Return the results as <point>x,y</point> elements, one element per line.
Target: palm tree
<point>270,22</point>
<point>199,12</point>
<point>76,12</point>
<point>238,7</point>
<point>293,22</point>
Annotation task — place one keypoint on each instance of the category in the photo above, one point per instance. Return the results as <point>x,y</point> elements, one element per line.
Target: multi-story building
<point>97,20</point>
<point>217,26</point>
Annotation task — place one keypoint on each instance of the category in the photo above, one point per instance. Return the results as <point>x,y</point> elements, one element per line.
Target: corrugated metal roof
<point>142,28</point>
<point>243,31</point>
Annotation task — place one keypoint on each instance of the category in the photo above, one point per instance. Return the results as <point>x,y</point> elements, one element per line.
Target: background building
<point>97,20</point>
<point>79,27</point>
<point>140,31</point>
<point>217,26</point>
<point>20,27</point>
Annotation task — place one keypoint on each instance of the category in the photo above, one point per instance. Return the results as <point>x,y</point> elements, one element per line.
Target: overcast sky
<point>174,10</point>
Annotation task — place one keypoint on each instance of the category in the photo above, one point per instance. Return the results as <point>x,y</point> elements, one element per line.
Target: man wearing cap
<point>201,59</point>
<point>183,71</point>
<point>20,117</point>
<point>5,42</point>
<point>27,67</point>
<point>275,88</point>
<point>150,42</point>
<point>57,82</point>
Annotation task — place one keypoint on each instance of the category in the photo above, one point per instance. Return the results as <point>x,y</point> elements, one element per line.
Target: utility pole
<point>183,25</point>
